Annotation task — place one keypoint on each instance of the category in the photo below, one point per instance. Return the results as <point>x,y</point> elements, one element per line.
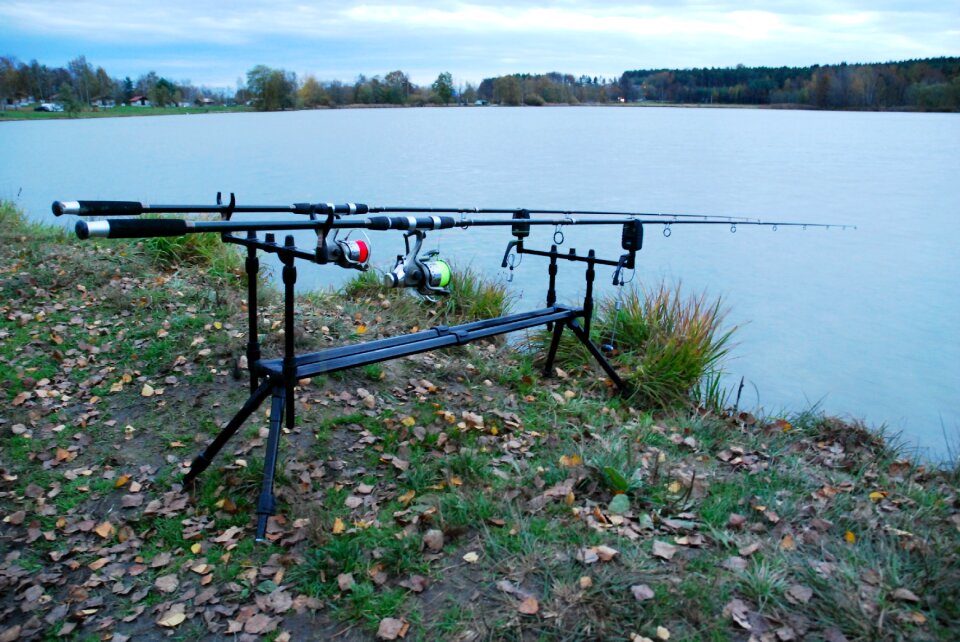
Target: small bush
<point>534,100</point>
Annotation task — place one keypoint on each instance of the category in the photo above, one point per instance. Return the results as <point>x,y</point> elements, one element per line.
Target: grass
<point>364,487</point>
<point>668,342</point>
<point>114,112</point>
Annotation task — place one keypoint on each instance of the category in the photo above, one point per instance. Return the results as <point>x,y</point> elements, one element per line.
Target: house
<point>143,101</point>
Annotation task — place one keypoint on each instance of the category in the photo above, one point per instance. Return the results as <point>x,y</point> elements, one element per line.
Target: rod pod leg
<point>607,367</point>
<point>552,353</point>
<point>266,504</point>
<point>203,460</point>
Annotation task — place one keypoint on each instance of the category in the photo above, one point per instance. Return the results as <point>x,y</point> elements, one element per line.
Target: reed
<point>666,342</point>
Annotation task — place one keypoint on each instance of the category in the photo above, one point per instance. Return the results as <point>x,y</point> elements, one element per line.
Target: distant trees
<point>932,84</point>
<point>443,87</point>
<point>914,84</point>
<point>272,89</point>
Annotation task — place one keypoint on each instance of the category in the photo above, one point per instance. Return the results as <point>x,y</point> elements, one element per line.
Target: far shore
<point>131,111</point>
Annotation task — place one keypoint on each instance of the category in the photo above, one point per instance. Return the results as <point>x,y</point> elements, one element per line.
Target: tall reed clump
<point>221,261</point>
<point>666,342</point>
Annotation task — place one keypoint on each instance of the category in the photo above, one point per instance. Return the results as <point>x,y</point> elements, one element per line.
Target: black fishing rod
<point>148,228</point>
<point>137,208</point>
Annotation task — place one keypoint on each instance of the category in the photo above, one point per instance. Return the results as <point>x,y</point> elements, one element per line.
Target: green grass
<point>221,262</point>
<point>115,112</point>
<point>667,341</point>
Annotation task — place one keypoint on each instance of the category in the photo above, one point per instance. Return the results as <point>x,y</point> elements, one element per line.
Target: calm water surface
<point>862,322</point>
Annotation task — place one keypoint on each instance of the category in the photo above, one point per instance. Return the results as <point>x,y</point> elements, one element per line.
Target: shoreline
<point>141,112</point>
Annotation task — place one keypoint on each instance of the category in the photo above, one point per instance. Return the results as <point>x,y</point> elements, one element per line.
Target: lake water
<point>864,323</point>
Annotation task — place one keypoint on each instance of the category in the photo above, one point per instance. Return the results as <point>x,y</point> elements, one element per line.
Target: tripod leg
<point>203,460</point>
<point>267,503</point>
<point>552,353</point>
<point>582,335</point>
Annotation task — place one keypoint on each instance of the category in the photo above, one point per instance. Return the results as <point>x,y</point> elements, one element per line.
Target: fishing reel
<point>429,274</point>
<point>347,253</point>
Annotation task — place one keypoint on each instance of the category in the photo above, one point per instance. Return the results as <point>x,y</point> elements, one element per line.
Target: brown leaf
<point>749,549</point>
<point>664,550</point>
<point>788,543</point>
<point>105,530</point>
<point>416,583</point>
<point>905,595</point>
<point>642,592</point>
<point>734,564</point>
<point>605,553</point>
<point>174,617</point>
<point>391,628</point>
<point>799,594</point>
<point>433,539</point>
<point>260,623</point>
<point>345,581</point>
<point>167,583</point>
<point>15,518</point>
<point>739,612</point>
<point>529,606</point>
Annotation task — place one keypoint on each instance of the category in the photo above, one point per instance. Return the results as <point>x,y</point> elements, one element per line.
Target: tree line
<point>931,85</point>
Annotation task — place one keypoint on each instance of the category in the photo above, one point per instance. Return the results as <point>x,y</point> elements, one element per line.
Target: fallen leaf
<point>905,595</point>
<point>433,539</point>
<point>605,553</point>
<point>739,612</point>
<point>471,557</point>
<point>345,581</point>
<point>735,564</point>
<point>172,618</point>
<point>104,530</point>
<point>260,623</point>
<point>663,633</point>
<point>788,543</point>
<point>392,628</point>
<point>850,537</point>
<point>664,550</point>
<point>121,481</point>
<point>586,582</point>
<point>569,461</point>
<point>529,606</point>
<point>338,526</point>
<point>416,583</point>
<point>147,390</point>
<point>642,592</point>
<point>799,594</point>
<point>167,583</point>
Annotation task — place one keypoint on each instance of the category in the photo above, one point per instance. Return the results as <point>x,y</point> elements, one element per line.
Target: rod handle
<point>120,228</point>
<point>98,208</point>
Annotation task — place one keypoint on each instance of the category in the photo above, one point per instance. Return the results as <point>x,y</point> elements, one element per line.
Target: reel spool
<point>429,274</point>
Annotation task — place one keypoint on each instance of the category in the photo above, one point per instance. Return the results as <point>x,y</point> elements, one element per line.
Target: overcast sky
<point>214,43</point>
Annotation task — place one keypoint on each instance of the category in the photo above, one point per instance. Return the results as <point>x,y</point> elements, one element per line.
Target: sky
<point>214,43</point>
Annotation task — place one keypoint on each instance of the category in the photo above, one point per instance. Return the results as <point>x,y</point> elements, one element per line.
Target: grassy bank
<point>116,112</point>
<point>454,495</point>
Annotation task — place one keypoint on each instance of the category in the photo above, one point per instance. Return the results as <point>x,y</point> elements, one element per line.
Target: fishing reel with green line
<point>428,274</point>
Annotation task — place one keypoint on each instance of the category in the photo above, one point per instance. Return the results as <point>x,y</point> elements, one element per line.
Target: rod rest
<point>352,356</point>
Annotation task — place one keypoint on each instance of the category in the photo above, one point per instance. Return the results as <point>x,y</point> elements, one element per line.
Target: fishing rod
<point>428,273</point>
<point>137,208</point>
<point>148,228</point>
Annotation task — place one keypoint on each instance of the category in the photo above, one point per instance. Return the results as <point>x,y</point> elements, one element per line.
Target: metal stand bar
<point>267,503</point>
<point>585,340</point>
<point>203,460</point>
<point>253,340</point>
<point>552,353</point>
